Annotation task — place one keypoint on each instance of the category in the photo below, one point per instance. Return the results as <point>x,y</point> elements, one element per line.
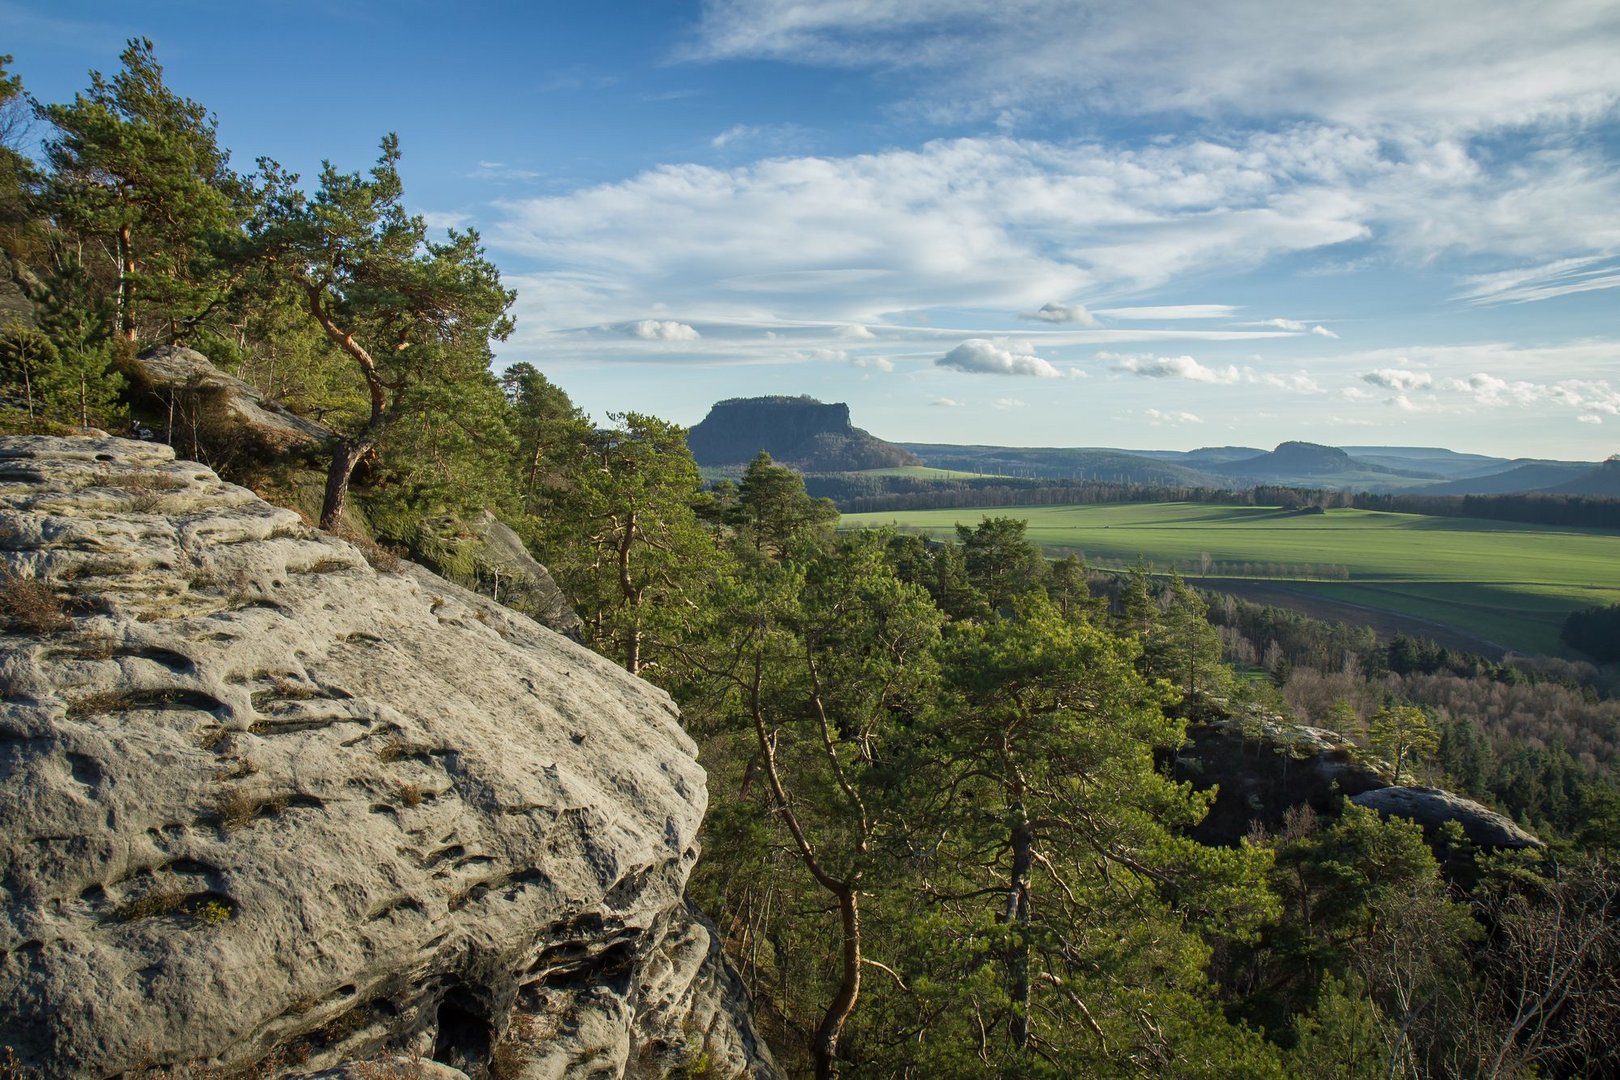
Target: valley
<point>1493,583</point>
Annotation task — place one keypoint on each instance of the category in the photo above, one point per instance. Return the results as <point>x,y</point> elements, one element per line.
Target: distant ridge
<point>810,435</point>
<point>1602,482</point>
<point>1294,461</point>
<point>1530,476</point>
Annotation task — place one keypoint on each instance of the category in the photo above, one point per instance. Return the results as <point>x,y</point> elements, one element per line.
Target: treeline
<point>875,494</point>
<point>941,837</point>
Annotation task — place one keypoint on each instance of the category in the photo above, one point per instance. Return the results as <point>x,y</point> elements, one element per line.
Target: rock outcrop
<point>1264,766</point>
<point>799,431</point>
<point>219,410</point>
<point>1433,808</point>
<point>263,806</point>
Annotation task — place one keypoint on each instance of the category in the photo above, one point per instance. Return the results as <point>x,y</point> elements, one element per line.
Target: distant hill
<point>1529,476</point>
<point>1064,463</point>
<point>1435,460</point>
<point>1603,482</point>
<point>1305,464</point>
<point>810,435</point>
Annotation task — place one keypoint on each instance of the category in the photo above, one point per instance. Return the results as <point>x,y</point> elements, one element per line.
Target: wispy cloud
<point>1560,277</point>
<point>1158,417</point>
<point>1436,64</point>
<point>1171,312</point>
<point>1061,313</point>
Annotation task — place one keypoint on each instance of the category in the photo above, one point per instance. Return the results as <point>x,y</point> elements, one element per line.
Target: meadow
<point>1505,583</point>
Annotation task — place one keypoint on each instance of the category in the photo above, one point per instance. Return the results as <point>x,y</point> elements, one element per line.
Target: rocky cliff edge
<point>266,808</point>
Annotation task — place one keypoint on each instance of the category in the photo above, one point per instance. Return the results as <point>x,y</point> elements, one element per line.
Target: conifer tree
<point>415,318</point>
<point>138,170</point>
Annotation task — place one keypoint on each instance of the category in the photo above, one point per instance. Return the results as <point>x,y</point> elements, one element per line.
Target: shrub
<point>30,605</point>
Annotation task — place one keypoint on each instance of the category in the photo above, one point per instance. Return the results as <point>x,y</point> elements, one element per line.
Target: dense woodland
<point>943,837</point>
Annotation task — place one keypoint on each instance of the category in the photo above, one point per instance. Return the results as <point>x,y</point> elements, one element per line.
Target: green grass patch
<point>1507,582</point>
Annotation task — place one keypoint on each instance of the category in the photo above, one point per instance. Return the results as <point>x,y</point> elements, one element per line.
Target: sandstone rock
<point>1432,808</point>
<point>220,409</point>
<point>263,806</point>
<point>533,583</point>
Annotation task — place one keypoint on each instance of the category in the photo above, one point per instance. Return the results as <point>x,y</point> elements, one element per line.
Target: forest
<point>945,837</point>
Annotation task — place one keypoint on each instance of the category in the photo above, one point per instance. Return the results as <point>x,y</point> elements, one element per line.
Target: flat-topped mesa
<point>268,807</point>
<point>800,431</point>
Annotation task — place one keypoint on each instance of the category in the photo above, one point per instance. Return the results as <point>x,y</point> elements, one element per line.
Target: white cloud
<point>875,363</point>
<point>1560,277</point>
<point>1294,326</point>
<point>1157,418</point>
<point>1299,382</point>
<point>1171,367</point>
<point>983,357</point>
<point>1354,393</point>
<point>1444,63</point>
<point>1061,313</point>
<point>855,332</point>
<point>662,330</point>
<point>946,403</point>
<point>1590,418</point>
<point>1008,403</point>
<point>1398,379</point>
<point>1174,311</point>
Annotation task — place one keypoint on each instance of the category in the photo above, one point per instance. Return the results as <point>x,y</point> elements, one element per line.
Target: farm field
<point>1503,583</point>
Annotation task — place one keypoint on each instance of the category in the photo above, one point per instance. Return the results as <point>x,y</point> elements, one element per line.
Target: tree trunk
<point>628,592</point>
<point>126,272</point>
<point>849,987</point>
<point>344,459</point>
<point>1018,983</point>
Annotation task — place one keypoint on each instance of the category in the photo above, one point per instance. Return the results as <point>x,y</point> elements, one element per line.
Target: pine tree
<point>414,317</point>
<point>138,169</point>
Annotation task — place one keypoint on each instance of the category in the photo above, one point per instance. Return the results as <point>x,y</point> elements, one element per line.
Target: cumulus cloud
<point>1590,418</point>
<point>1172,367</point>
<point>1061,313</point>
<point>1157,418</point>
<point>1322,331</point>
<point>946,403</point>
<point>1009,403</point>
<point>1298,382</point>
<point>662,330</point>
<point>1398,379</point>
<point>874,363</point>
<point>856,332</point>
<point>983,357</point>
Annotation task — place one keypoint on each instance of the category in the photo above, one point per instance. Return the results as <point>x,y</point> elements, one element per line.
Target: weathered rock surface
<point>219,408</point>
<point>1433,808</point>
<point>264,806</point>
<point>528,578</point>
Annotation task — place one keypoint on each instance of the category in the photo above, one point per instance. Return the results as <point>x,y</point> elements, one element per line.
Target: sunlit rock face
<point>264,805</point>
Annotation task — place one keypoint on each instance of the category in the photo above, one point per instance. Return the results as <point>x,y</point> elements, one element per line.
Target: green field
<point>1503,582</point>
<point>923,472</point>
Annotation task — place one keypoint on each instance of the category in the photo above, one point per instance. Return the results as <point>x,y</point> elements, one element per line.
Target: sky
<point>1142,223</point>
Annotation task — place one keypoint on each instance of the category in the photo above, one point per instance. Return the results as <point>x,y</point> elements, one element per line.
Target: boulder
<point>1433,808</point>
<point>264,807</point>
<point>219,412</point>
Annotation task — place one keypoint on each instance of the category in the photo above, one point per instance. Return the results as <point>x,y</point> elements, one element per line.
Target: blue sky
<point>1153,223</point>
